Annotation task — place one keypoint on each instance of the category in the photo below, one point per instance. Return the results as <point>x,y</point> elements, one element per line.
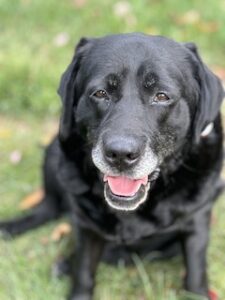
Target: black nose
<point>122,152</point>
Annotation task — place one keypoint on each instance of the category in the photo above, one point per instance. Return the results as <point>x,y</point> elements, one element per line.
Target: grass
<point>37,40</point>
<point>32,57</point>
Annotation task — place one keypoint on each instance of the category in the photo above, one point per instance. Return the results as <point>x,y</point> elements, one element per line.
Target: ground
<point>37,40</point>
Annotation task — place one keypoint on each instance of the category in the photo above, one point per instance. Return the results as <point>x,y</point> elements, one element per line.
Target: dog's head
<point>138,100</point>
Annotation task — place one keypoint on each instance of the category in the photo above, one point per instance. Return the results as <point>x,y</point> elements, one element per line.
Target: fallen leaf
<point>220,72</point>
<point>61,39</point>
<point>50,132</point>
<point>60,231</point>
<point>32,200</point>
<point>46,139</point>
<point>44,240</point>
<point>122,9</point>
<point>79,3</point>
<point>213,295</point>
<point>190,17</point>
<point>15,157</point>
<point>208,27</point>
<point>5,133</point>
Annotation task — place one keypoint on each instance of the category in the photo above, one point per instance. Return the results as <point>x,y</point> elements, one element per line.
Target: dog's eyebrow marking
<point>149,80</point>
<point>148,77</point>
<point>113,80</point>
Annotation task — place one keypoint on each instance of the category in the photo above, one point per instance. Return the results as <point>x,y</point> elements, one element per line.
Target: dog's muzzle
<point>128,166</point>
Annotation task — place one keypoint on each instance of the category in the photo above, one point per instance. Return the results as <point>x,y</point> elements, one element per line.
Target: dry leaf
<point>32,199</point>
<point>122,9</point>
<point>47,138</point>
<point>213,220</point>
<point>208,27</point>
<point>60,231</point>
<point>190,17</point>
<point>220,72</point>
<point>61,39</point>
<point>44,240</point>
<point>15,157</point>
<point>25,2</point>
<point>5,133</point>
<point>79,3</point>
<point>51,129</point>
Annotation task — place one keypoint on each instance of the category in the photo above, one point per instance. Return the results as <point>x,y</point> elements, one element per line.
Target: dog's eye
<point>101,94</point>
<point>161,97</point>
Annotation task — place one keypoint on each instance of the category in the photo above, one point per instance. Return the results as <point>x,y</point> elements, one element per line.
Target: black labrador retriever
<point>138,156</point>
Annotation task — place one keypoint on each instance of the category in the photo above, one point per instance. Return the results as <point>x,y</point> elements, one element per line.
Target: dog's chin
<point>126,203</point>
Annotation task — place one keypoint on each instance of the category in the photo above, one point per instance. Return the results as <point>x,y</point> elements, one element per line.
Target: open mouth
<point>123,193</point>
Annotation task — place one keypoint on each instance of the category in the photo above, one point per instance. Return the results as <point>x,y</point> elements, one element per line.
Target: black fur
<point>132,69</point>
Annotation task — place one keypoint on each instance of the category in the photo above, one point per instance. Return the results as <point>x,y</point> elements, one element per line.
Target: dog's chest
<point>132,228</point>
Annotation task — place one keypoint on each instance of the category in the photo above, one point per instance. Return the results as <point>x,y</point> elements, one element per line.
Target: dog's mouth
<point>123,193</point>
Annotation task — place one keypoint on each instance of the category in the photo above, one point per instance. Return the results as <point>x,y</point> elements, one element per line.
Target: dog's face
<point>136,98</point>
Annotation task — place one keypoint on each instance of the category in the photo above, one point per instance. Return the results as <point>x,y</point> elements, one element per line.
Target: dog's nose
<point>122,152</point>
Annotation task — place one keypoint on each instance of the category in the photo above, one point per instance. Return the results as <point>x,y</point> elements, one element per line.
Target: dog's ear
<point>211,93</point>
<point>67,90</point>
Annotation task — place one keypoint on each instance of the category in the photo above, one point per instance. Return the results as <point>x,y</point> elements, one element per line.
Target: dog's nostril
<point>122,152</point>
<point>114,155</point>
<point>132,156</point>
<point>121,156</point>
<point>110,155</point>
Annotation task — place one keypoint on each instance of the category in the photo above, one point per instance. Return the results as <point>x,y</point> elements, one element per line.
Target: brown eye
<point>161,97</point>
<point>101,94</point>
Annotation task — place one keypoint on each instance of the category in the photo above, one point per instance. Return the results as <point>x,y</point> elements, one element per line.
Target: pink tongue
<point>123,186</point>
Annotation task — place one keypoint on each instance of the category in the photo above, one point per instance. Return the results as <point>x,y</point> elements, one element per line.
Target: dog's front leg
<point>194,244</point>
<point>89,247</point>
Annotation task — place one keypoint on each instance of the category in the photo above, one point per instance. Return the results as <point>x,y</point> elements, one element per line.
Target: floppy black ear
<point>210,96</point>
<point>67,90</point>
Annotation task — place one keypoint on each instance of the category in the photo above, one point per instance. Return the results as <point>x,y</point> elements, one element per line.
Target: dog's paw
<point>10,229</point>
<point>62,267</point>
<point>80,297</point>
<point>4,232</point>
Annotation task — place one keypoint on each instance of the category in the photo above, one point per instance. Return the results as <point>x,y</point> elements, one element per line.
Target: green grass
<point>31,64</point>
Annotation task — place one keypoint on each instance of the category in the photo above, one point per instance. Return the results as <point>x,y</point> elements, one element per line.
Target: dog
<point>138,156</point>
